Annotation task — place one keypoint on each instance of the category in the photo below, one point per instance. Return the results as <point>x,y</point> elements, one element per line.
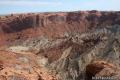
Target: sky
<point>26,6</point>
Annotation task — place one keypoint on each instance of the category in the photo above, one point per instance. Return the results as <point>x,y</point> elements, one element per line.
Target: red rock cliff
<point>22,26</point>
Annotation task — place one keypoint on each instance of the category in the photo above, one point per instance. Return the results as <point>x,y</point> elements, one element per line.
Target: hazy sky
<point>21,6</point>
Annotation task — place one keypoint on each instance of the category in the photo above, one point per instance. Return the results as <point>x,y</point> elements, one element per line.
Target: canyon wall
<point>77,45</point>
<point>16,26</point>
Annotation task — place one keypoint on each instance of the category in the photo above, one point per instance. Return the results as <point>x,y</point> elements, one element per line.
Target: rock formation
<point>81,45</point>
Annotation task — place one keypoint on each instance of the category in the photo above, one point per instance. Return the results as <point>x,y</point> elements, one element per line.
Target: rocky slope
<point>60,46</point>
<point>22,26</point>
